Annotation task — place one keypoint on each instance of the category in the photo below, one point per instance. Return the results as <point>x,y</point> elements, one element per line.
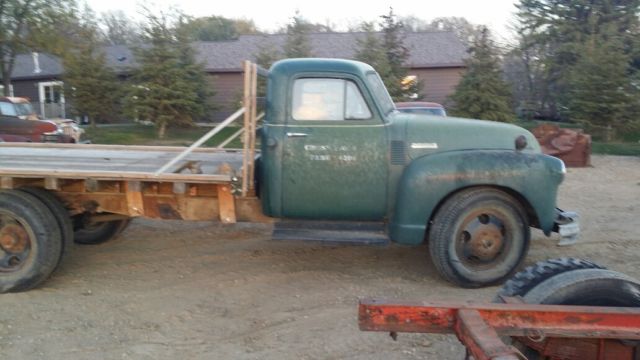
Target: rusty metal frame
<point>478,326</point>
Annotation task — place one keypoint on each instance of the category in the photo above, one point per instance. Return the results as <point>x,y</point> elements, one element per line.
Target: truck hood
<point>434,134</point>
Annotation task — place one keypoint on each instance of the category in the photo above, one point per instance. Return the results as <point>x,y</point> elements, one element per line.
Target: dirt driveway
<point>177,290</point>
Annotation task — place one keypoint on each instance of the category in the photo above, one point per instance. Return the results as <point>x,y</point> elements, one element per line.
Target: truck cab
<point>335,148</point>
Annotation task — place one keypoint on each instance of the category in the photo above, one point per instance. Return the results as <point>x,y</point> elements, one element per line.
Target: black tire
<point>30,241</point>
<point>590,287</point>
<point>570,281</point>
<point>531,276</point>
<point>479,237</point>
<point>59,212</point>
<point>94,234</point>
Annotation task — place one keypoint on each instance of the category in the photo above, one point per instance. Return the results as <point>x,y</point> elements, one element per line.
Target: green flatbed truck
<point>337,163</point>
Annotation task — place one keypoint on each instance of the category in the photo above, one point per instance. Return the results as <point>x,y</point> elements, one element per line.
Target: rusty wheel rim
<point>482,239</point>
<point>15,243</point>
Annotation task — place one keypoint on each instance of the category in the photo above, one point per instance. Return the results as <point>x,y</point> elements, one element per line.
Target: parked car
<point>421,107</point>
<point>18,109</point>
<point>13,138</point>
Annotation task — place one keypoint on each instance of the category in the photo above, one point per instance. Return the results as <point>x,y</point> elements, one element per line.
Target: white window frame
<point>41,94</point>
<point>10,90</point>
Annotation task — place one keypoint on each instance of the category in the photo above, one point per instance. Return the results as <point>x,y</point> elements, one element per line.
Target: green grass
<point>147,135</point>
<point>616,148</point>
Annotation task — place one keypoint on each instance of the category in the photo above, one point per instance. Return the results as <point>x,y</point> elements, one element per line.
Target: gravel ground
<point>178,290</point>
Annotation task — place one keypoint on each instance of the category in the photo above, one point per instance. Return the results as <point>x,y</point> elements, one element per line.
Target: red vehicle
<point>18,124</point>
<point>421,107</point>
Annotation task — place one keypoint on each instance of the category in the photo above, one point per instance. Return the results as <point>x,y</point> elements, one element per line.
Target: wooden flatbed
<point>111,181</point>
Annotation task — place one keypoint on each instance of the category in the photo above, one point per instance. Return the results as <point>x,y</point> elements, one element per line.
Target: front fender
<point>428,180</point>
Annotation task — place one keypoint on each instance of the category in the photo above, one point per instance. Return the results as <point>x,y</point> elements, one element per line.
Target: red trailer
<point>533,327</point>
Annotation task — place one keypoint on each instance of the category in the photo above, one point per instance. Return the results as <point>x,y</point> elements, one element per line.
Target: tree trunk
<point>162,129</point>
<point>6,83</point>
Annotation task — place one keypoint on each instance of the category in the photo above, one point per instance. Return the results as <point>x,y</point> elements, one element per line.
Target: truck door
<point>334,158</point>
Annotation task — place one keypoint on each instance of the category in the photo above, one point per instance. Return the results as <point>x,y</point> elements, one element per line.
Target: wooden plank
<point>113,175</point>
<point>6,182</point>
<point>135,203</point>
<point>226,204</point>
<point>51,183</point>
<point>247,120</point>
<point>253,125</point>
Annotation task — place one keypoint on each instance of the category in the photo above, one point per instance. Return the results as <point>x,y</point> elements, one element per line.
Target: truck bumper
<point>567,224</point>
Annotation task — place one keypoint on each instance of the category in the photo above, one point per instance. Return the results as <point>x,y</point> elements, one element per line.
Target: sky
<point>273,14</point>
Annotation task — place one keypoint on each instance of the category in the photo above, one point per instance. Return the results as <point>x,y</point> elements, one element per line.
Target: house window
<point>328,99</point>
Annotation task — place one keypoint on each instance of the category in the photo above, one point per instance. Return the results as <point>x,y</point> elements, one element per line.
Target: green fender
<point>427,181</point>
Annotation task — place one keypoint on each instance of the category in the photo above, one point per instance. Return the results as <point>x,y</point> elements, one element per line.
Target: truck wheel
<point>98,233</point>
<point>59,212</point>
<point>30,241</point>
<point>581,283</point>
<point>531,276</point>
<point>478,237</point>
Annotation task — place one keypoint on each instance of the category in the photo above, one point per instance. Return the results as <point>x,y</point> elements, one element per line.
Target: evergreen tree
<point>169,86</point>
<point>600,91</point>
<point>560,30</point>
<point>385,51</point>
<point>91,86</point>
<point>267,55</point>
<point>481,93</point>
<point>397,55</point>
<point>371,50</point>
<point>297,43</point>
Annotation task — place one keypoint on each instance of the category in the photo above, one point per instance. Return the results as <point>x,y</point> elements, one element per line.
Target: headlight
<point>58,131</point>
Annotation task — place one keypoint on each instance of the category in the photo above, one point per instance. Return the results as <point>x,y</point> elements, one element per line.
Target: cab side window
<point>328,99</point>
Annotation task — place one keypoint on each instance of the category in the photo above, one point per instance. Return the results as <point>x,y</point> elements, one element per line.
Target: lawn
<point>136,134</point>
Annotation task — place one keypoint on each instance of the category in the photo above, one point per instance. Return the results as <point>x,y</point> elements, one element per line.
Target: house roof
<point>48,66</point>
<point>427,50</point>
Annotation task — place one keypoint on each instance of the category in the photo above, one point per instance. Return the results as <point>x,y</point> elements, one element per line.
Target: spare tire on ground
<point>569,281</point>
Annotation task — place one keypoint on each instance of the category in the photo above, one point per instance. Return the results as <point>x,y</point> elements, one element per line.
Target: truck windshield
<point>7,108</point>
<point>380,92</point>
<point>24,109</point>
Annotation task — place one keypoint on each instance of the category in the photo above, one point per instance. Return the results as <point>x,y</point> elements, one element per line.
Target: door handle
<point>296,134</point>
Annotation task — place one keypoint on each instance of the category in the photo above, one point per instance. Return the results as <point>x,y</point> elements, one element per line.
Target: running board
<point>328,232</point>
